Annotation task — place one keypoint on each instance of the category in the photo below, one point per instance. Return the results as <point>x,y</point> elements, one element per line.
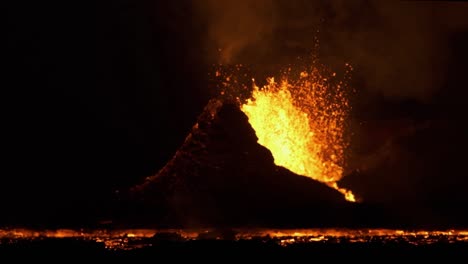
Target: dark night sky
<point>97,97</point>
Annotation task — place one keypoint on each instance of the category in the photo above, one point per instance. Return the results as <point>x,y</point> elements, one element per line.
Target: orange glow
<point>301,120</point>
<point>125,239</point>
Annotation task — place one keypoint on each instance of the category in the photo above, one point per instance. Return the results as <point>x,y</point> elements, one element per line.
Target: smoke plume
<point>399,48</point>
<point>234,25</point>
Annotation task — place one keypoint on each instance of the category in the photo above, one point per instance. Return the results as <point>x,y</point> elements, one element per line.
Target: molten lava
<point>301,121</point>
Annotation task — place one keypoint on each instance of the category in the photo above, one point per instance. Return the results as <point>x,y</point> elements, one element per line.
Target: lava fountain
<point>301,120</point>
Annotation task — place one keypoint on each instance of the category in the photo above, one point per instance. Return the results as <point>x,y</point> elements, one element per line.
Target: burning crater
<point>302,123</point>
<point>257,159</point>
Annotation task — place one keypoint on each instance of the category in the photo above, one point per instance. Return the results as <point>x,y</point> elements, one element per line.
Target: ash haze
<point>400,47</point>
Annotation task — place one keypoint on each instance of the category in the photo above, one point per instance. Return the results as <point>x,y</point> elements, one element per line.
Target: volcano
<point>221,176</point>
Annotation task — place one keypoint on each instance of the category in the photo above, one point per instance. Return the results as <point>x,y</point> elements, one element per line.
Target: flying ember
<point>301,120</point>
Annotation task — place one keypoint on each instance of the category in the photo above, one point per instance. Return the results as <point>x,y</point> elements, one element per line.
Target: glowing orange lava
<point>128,239</point>
<point>301,120</point>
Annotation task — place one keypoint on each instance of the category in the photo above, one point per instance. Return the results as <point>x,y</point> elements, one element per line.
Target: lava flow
<point>301,120</point>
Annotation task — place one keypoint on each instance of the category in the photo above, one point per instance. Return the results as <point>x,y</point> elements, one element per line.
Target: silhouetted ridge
<point>222,176</point>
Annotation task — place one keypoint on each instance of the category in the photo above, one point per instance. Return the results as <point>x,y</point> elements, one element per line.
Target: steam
<point>399,48</point>
<point>234,25</point>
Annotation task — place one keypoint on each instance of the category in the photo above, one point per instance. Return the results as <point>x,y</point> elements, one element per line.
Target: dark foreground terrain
<point>231,250</point>
<point>223,246</point>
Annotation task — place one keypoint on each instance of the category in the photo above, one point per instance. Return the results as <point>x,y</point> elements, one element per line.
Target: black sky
<point>98,96</point>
